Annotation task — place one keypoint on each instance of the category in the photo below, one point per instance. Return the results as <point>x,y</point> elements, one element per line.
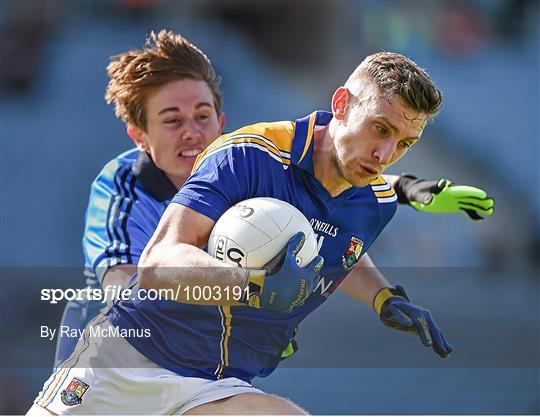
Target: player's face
<point>181,123</point>
<point>375,132</point>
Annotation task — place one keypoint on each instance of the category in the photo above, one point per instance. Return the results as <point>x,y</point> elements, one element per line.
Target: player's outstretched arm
<point>364,281</point>
<point>442,196</point>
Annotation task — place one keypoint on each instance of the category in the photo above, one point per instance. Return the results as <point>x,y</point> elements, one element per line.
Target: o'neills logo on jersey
<point>353,253</point>
<point>319,226</point>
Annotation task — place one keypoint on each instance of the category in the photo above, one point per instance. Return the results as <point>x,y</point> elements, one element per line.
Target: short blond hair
<point>395,74</point>
<point>166,57</point>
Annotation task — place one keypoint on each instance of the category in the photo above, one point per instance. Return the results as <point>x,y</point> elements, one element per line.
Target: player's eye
<point>172,121</point>
<point>203,117</point>
<point>405,145</point>
<point>383,131</point>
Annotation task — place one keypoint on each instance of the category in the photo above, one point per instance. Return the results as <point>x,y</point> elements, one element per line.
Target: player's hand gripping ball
<point>283,284</point>
<point>276,242</point>
<point>395,310</point>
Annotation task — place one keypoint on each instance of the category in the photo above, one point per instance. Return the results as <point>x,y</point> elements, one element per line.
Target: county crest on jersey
<point>73,394</point>
<point>351,257</point>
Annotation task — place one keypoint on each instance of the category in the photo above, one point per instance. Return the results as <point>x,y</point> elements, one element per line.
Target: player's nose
<point>384,152</point>
<point>190,131</point>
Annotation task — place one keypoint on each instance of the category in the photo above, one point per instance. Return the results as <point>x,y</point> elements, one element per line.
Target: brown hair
<point>166,57</point>
<point>393,73</point>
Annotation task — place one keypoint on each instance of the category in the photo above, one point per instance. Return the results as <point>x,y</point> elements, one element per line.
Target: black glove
<point>395,310</point>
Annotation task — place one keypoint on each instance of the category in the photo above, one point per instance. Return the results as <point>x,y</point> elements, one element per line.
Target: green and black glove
<point>441,196</point>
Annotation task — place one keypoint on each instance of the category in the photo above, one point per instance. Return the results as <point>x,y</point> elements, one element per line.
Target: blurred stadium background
<point>279,61</point>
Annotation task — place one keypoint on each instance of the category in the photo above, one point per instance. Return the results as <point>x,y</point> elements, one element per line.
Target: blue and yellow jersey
<point>262,160</point>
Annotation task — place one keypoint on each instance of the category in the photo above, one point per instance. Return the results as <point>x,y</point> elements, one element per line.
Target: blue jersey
<point>127,199</point>
<point>262,160</point>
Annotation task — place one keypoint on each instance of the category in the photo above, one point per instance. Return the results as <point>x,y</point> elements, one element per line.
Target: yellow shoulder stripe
<point>383,190</point>
<point>274,138</point>
<point>311,125</point>
<point>258,141</point>
<point>279,133</point>
<point>388,193</point>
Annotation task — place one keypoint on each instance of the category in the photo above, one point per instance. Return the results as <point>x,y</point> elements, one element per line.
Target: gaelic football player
<point>131,192</point>
<point>200,359</point>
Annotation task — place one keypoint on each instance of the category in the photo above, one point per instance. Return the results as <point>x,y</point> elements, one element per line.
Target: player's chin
<point>184,165</point>
<point>360,182</point>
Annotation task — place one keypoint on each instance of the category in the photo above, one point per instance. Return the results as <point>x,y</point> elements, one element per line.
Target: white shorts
<point>106,375</point>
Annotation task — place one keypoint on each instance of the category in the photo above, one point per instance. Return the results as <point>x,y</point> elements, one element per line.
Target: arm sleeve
<point>222,180</point>
<point>118,222</point>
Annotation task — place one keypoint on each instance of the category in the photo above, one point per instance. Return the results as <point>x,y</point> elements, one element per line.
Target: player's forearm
<point>115,278</point>
<point>364,281</point>
<point>118,276</point>
<point>185,271</point>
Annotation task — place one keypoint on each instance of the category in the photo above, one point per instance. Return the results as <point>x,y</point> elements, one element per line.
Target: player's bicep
<point>178,225</point>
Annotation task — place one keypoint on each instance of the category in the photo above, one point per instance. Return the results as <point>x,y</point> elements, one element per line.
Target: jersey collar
<point>153,178</point>
<point>302,144</point>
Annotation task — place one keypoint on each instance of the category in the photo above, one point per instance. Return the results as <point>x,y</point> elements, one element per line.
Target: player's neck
<point>176,180</point>
<point>324,169</point>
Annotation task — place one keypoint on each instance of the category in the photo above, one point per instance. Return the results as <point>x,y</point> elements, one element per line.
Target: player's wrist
<point>385,294</point>
<point>253,287</point>
<point>403,186</point>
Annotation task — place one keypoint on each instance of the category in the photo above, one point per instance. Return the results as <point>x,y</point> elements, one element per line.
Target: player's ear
<point>137,135</point>
<point>340,102</point>
<point>222,118</point>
